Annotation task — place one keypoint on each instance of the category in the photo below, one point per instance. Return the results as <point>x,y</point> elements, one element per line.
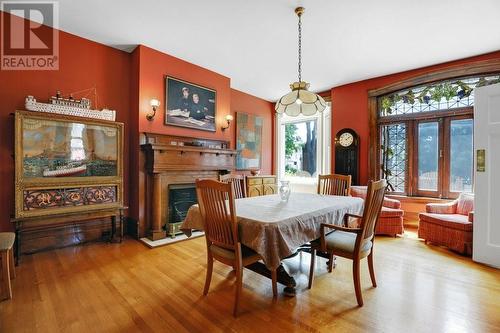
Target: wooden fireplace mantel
<point>164,157</point>
<point>178,160</point>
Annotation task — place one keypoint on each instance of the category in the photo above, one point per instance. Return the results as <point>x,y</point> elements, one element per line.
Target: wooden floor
<point>128,288</point>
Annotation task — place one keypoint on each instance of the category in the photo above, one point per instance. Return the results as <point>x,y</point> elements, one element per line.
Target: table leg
<point>283,277</point>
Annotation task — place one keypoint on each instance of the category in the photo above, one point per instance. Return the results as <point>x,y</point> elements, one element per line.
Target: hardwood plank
<point>128,288</point>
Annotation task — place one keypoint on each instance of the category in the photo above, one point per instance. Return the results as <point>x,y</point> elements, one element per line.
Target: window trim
<point>324,126</point>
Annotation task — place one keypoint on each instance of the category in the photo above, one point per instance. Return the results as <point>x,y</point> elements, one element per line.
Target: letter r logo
<point>29,33</point>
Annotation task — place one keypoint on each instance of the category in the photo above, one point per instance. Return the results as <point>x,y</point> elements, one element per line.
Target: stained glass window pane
<point>445,95</point>
<point>393,155</point>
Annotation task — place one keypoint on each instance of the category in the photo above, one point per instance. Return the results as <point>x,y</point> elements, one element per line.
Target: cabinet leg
<point>113,229</point>
<point>121,225</point>
<point>18,244</point>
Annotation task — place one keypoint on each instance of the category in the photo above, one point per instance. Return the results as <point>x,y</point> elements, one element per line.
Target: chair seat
<point>246,253</point>
<point>344,242</point>
<point>391,212</point>
<point>6,240</point>
<point>452,221</point>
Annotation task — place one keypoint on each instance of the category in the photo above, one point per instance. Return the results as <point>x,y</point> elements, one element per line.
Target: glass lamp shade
<point>300,100</point>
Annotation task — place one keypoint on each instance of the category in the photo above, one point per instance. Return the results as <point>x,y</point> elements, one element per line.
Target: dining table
<point>276,228</point>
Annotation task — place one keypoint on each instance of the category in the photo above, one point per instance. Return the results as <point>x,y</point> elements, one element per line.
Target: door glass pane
<point>301,149</point>
<point>393,156</point>
<point>428,156</point>
<point>461,155</point>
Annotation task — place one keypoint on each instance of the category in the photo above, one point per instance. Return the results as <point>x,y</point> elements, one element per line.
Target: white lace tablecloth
<point>275,229</point>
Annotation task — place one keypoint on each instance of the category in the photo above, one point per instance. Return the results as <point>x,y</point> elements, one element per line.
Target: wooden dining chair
<point>334,185</point>
<point>221,234</point>
<point>353,243</point>
<point>239,184</point>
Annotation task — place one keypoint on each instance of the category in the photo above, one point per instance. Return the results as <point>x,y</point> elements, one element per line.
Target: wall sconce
<point>154,105</point>
<point>228,118</point>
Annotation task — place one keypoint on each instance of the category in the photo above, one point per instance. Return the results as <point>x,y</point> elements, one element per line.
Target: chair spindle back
<point>334,185</point>
<point>373,205</point>
<point>216,201</point>
<point>239,184</point>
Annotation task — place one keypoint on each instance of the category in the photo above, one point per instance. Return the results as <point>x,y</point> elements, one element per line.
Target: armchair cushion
<point>391,212</point>
<point>345,241</point>
<point>392,203</point>
<point>360,192</point>
<point>445,208</point>
<point>465,203</point>
<point>452,221</point>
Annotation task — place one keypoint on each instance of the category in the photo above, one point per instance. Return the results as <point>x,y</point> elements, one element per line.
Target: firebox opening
<point>180,198</point>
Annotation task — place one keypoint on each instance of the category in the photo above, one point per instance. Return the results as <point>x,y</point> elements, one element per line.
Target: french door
<point>442,156</point>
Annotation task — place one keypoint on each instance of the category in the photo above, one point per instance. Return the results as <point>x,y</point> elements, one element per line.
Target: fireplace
<point>172,164</point>
<point>180,198</point>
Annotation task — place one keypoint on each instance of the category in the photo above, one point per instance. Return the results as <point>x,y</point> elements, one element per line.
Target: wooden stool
<point>8,272</point>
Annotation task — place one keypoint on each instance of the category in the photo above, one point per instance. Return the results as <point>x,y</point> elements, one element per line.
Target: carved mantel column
<point>157,231</point>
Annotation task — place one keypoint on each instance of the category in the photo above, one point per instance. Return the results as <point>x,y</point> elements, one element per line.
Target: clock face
<point>346,139</point>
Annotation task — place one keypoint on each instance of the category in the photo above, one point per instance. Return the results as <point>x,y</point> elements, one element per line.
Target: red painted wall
<point>153,67</point>
<point>242,102</point>
<point>125,82</point>
<point>83,64</point>
<point>350,104</point>
<point>149,68</point>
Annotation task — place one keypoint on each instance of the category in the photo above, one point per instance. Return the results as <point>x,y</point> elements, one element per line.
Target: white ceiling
<point>255,42</point>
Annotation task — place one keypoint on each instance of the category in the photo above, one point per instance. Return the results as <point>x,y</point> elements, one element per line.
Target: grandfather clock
<point>347,154</point>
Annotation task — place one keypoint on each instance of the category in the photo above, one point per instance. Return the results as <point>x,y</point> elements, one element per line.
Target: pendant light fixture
<point>300,100</point>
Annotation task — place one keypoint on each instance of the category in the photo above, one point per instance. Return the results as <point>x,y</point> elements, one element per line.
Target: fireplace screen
<point>181,197</point>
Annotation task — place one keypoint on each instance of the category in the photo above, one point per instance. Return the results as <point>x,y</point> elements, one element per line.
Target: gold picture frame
<point>190,105</point>
<point>66,164</point>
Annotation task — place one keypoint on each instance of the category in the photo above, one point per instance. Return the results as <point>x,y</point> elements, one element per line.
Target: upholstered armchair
<point>390,221</point>
<point>449,224</point>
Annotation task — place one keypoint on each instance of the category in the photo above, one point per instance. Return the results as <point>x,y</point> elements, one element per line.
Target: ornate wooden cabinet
<point>68,170</point>
<point>261,185</point>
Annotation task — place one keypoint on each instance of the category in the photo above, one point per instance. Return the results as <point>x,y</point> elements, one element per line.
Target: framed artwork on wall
<point>248,141</point>
<point>189,105</point>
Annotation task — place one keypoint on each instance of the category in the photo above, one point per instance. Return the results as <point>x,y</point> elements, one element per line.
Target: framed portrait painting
<point>189,105</point>
<point>248,141</point>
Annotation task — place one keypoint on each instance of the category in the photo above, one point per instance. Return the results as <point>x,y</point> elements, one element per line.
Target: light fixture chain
<point>300,49</point>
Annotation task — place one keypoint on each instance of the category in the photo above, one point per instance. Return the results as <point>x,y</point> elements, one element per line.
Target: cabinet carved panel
<point>261,185</point>
<point>67,197</point>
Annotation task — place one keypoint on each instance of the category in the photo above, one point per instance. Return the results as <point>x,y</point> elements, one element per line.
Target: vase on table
<point>285,190</point>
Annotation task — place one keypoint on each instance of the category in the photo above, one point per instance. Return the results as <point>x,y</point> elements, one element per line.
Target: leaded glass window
<point>393,163</point>
<point>444,95</point>
<point>424,150</point>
